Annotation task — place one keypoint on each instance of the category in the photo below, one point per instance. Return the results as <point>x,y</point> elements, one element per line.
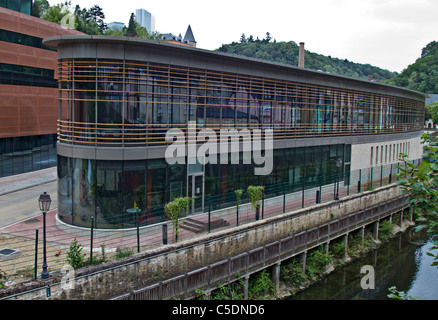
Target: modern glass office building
<point>120,96</point>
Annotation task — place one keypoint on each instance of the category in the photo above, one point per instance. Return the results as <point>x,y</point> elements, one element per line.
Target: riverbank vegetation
<point>421,184</point>
<point>260,286</point>
<point>295,276</point>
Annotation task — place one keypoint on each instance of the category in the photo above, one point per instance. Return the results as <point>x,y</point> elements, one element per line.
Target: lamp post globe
<point>339,162</point>
<point>44,201</point>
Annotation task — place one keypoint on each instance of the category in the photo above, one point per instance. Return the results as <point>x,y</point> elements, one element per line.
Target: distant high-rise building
<point>145,19</point>
<point>116,25</point>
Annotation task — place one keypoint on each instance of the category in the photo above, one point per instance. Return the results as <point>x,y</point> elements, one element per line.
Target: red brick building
<point>28,91</point>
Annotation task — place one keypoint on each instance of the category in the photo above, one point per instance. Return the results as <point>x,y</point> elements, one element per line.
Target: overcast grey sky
<point>386,33</point>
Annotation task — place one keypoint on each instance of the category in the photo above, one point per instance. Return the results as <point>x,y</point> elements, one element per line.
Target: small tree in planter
<point>255,196</point>
<point>175,210</point>
<point>75,257</point>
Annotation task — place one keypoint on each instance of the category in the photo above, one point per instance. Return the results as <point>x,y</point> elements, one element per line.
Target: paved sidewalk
<point>27,180</point>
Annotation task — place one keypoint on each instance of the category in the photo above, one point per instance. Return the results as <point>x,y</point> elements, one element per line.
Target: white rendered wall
<point>369,155</point>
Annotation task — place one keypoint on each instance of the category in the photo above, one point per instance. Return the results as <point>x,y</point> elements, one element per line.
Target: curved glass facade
<point>107,190</point>
<point>127,104</point>
<point>109,102</point>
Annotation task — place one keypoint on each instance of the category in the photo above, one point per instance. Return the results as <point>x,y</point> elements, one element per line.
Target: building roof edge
<point>55,41</point>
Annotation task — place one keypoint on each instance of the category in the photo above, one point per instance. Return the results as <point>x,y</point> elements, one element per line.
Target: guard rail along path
<point>176,270</point>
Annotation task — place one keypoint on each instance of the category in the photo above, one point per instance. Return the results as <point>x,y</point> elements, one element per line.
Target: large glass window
<point>157,182</point>
<point>65,187</point>
<point>109,92</point>
<point>28,153</point>
<point>109,176</point>
<point>23,6</point>
<point>84,181</point>
<point>178,97</point>
<point>134,191</point>
<point>26,76</point>
<point>23,39</point>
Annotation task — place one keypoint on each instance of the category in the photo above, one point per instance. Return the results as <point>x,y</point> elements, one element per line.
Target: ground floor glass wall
<point>109,191</point>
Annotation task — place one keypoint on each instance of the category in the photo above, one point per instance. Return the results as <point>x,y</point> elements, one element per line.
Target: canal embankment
<point>365,272</point>
<point>310,281</point>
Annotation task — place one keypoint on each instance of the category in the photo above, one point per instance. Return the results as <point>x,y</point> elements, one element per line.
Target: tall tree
<point>132,27</point>
<point>422,75</point>
<point>90,21</point>
<point>96,13</point>
<point>421,184</point>
<point>143,33</point>
<point>39,8</point>
<point>433,112</point>
<point>428,111</point>
<point>56,13</point>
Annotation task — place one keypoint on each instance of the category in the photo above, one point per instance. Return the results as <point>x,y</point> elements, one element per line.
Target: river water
<point>402,262</point>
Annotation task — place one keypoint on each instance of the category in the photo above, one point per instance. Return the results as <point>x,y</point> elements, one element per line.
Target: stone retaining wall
<point>147,268</point>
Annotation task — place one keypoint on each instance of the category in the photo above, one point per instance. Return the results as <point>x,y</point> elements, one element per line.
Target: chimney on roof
<point>301,56</point>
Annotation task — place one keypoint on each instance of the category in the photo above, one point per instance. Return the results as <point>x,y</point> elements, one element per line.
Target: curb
<point>27,186</point>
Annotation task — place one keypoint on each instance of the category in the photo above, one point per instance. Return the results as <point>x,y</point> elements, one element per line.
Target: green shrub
<point>123,252</point>
<point>385,230</point>
<point>316,262</point>
<point>292,273</point>
<point>75,257</point>
<point>175,210</point>
<point>2,278</point>
<point>233,291</point>
<point>260,285</point>
<point>338,248</point>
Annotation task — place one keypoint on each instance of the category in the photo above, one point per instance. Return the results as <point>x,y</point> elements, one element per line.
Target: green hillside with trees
<point>287,52</point>
<point>423,74</point>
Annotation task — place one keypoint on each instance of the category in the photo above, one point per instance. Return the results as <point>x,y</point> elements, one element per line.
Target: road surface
<point>23,204</point>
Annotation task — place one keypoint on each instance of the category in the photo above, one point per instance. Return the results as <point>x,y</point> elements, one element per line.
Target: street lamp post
<point>338,165</point>
<point>44,202</point>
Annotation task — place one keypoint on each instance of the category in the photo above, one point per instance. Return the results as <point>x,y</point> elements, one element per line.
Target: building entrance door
<point>196,192</point>
<point>195,186</point>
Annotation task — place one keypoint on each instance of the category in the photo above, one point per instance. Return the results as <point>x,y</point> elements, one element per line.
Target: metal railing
<point>219,212</point>
<point>153,134</point>
<point>224,271</point>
